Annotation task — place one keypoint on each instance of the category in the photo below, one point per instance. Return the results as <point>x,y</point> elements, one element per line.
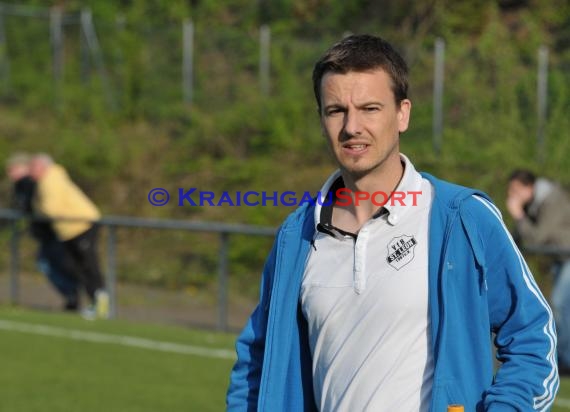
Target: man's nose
<point>353,123</point>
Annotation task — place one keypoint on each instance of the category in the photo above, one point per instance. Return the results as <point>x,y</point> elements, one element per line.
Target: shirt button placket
<point>359,260</point>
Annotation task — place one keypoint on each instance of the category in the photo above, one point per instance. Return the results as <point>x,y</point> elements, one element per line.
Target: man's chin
<point>356,173</point>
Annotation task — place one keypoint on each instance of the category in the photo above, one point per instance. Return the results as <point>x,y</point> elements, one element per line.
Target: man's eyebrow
<point>372,103</point>
<point>364,104</point>
<point>334,106</point>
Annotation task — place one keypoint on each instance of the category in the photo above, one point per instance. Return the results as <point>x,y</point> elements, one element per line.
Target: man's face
<point>361,120</point>
<point>520,192</point>
<point>17,171</point>
<point>37,169</point>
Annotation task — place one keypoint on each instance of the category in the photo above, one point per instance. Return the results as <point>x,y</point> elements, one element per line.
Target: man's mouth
<point>355,147</point>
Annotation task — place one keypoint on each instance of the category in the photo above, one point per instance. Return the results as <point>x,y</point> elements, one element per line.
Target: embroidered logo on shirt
<point>401,251</point>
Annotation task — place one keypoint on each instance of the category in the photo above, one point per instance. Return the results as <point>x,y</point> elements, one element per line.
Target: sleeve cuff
<point>501,407</point>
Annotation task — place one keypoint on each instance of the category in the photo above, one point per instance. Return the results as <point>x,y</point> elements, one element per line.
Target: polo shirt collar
<point>392,211</point>
<point>411,181</point>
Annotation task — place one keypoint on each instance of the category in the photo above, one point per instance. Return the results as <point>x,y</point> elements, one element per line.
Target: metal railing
<point>551,251</point>
<point>113,223</point>
<point>223,229</point>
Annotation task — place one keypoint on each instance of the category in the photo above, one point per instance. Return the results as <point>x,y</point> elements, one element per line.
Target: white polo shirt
<point>365,299</point>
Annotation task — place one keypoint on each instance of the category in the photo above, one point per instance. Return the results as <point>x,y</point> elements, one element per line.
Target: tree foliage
<point>232,136</point>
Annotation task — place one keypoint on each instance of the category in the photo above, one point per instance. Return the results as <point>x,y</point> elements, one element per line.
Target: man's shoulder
<point>559,193</point>
<point>300,218</point>
<point>453,194</point>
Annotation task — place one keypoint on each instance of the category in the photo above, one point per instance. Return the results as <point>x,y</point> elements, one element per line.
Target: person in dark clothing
<point>51,255</point>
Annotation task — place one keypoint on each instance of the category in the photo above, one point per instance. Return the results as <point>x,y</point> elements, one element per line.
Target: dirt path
<point>188,307</point>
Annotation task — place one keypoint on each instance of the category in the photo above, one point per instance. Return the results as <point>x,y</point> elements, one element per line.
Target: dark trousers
<point>52,262</point>
<point>82,251</point>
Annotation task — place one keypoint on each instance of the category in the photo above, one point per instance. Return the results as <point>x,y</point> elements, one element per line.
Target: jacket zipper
<point>441,304</point>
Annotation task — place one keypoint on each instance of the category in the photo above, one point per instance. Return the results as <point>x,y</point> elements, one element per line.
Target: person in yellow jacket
<point>75,224</point>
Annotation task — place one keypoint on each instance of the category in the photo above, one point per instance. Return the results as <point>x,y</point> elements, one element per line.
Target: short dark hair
<point>526,177</point>
<point>361,53</point>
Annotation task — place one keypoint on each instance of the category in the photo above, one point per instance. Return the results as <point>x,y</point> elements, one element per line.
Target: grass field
<point>57,362</point>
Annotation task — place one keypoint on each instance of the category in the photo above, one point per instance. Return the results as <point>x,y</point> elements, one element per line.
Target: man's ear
<point>404,112</point>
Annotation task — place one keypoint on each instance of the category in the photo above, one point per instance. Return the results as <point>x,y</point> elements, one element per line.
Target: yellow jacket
<point>57,196</point>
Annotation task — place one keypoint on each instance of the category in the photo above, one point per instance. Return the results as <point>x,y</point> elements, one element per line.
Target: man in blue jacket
<point>388,298</point>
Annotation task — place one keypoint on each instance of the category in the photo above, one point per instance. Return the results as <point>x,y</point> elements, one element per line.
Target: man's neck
<point>353,216</point>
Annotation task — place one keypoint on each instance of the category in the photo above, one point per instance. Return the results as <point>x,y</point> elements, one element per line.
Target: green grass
<point>563,399</point>
<point>45,373</point>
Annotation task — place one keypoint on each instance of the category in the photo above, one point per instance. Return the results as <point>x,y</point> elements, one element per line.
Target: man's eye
<point>332,112</point>
<point>371,109</point>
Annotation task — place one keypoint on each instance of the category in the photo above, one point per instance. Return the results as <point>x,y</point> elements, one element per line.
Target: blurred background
<point>216,95</point>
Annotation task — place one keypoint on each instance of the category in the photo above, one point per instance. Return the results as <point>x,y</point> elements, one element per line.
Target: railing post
<point>92,43</point>
<point>187,61</point>
<point>264,59</point>
<point>4,64</point>
<point>112,269</point>
<point>223,282</point>
<point>542,102</point>
<point>438,79</point>
<point>15,263</point>
<point>56,37</point>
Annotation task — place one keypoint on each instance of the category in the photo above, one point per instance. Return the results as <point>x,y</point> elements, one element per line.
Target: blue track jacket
<point>479,285</point>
